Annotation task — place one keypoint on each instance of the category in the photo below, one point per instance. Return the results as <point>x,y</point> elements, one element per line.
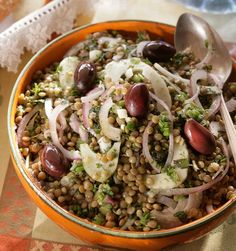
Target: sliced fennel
<point>115,70</point>
<point>66,71</point>
<point>164,180</point>
<point>94,167</point>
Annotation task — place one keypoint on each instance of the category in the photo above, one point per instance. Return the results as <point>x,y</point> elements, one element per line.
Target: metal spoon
<point>196,34</point>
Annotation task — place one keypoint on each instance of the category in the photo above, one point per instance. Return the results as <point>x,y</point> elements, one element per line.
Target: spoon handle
<point>229,126</point>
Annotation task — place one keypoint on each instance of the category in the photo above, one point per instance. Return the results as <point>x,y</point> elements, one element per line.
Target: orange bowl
<point>81,228</point>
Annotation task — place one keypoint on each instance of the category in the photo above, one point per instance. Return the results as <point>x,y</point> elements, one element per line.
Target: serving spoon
<point>196,34</point>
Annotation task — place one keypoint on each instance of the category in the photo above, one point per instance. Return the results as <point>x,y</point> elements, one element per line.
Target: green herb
<point>131,126</point>
<point>141,36</point>
<point>121,103</point>
<point>181,97</point>
<point>147,61</point>
<point>100,196</point>
<point>178,59</point>
<point>59,68</point>
<point>180,197</point>
<point>78,143</point>
<point>95,188</point>
<point>206,43</point>
<point>182,163</point>
<point>99,219</point>
<point>145,218</point>
<point>181,215</point>
<point>20,109</point>
<point>37,89</point>
<point>98,165</point>
<point>193,111</point>
<point>138,78</point>
<point>171,172</point>
<point>107,189</point>
<point>105,209</point>
<point>77,169</point>
<point>164,125</point>
<point>135,60</point>
<point>158,227</point>
<point>74,91</point>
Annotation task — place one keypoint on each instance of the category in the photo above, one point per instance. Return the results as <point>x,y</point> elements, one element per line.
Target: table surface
<point>22,225</point>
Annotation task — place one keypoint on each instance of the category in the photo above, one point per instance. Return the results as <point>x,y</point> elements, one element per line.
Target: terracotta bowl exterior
<point>81,228</point>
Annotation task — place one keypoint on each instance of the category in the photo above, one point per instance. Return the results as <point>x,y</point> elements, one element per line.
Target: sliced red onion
<point>128,223</point>
<point>108,92</point>
<point>146,151</point>
<point>215,106</point>
<point>75,49</point>
<point>76,127</point>
<point>108,199</point>
<point>140,47</point>
<point>194,201</point>
<point>171,137</point>
<point>177,89</point>
<point>108,130</point>
<point>25,120</point>
<point>193,98</point>
<point>209,208</point>
<point>216,80</point>
<point>216,174</point>
<point>215,127</point>
<point>85,116</point>
<point>232,50</point>
<point>197,75</point>
<point>166,201</point>
<point>63,124</point>
<point>110,40</point>
<point>117,57</point>
<point>93,94</point>
<point>48,107</point>
<point>231,105</point>
<point>53,130</point>
<point>170,75</point>
<point>185,191</point>
<point>166,219</point>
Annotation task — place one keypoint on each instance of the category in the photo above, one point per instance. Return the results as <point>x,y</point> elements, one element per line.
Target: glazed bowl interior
<point>53,52</point>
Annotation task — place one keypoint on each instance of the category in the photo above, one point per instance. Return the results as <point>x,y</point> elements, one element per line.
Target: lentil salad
<point>126,133</point>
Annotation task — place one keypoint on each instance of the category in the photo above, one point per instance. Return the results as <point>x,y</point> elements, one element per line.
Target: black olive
<point>158,51</point>
<point>85,75</point>
<point>53,161</point>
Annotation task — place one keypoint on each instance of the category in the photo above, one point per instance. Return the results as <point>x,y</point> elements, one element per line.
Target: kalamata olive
<point>53,161</point>
<point>199,137</point>
<point>137,100</point>
<point>158,51</point>
<point>84,77</point>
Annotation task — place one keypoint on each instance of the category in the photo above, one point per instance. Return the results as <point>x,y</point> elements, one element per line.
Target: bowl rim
<point>69,216</point>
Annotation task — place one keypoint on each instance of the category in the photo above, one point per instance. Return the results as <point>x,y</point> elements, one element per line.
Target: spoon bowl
<point>194,33</point>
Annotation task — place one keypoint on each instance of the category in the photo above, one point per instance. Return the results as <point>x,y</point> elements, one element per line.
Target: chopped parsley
<point>178,59</point>
<point>181,97</point>
<point>131,126</point>
<point>59,68</point>
<point>145,218</point>
<point>207,67</point>
<point>37,88</point>
<point>192,111</point>
<point>171,172</point>
<point>98,165</point>
<point>181,215</point>
<point>141,36</point>
<point>99,219</point>
<point>164,125</point>
<point>138,78</point>
<point>77,169</point>
<point>182,163</point>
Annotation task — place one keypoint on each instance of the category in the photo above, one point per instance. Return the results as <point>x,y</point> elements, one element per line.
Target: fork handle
<point>229,126</point>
